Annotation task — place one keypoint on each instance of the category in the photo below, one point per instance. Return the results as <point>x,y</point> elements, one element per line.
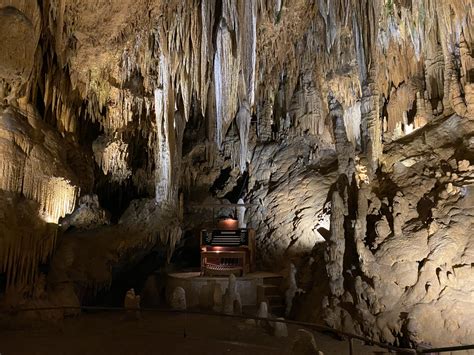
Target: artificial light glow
<point>228,224</point>
<point>59,201</point>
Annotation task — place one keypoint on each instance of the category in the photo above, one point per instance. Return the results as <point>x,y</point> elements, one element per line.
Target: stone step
<point>273,280</point>
<point>270,290</point>
<point>268,293</point>
<point>275,300</point>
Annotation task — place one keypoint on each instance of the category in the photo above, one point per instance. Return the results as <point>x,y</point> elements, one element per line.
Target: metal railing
<point>316,327</point>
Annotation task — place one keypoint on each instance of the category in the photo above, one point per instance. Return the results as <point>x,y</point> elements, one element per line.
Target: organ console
<point>227,250</point>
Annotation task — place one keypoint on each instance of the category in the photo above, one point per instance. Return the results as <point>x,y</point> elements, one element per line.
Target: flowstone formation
<point>398,252</point>
<point>346,126</point>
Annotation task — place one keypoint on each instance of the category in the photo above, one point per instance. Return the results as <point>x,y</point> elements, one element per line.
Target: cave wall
<point>347,123</point>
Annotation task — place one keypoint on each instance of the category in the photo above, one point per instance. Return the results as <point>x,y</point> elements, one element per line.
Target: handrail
<point>219,205</point>
<point>316,327</point>
<point>446,349</point>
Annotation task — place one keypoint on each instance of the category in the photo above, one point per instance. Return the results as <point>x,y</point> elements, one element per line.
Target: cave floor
<point>159,333</point>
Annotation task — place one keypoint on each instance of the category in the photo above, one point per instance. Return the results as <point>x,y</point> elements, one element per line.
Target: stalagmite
<point>262,313</point>
<point>335,251</point>
<point>132,304</point>
<point>178,299</point>
<point>292,291</point>
<point>241,214</point>
<point>280,329</point>
<point>231,301</point>
<point>304,343</point>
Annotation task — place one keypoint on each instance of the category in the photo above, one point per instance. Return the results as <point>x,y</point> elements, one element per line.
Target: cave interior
<point>338,135</point>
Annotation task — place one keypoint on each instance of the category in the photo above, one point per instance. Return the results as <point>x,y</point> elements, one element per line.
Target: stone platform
<point>199,289</point>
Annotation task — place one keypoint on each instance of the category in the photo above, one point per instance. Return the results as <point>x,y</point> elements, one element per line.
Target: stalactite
<point>401,101</point>
<point>327,10</point>
<point>265,121</point>
<point>56,196</point>
<point>224,60</point>
<point>28,229</point>
<point>344,148</point>
<point>352,124</point>
<point>307,112</point>
<point>226,67</point>
<point>26,241</point>
<point>243,123</point>
<point>232,149</point>
<point>163,154</point>
<point>434,69</point>
<point>112,156</point>
<point>360,49</point>
<point>207,14</point>
<point>25,170</point>
<point>248,47</point>
<point>170,236</point>
<point>424,113</point>
<point>12,171</point>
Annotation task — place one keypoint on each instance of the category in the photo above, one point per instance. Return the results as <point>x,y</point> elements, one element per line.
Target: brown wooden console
<point>227,251</point>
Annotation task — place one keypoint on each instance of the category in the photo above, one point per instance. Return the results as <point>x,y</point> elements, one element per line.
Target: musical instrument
<point>227,251</point>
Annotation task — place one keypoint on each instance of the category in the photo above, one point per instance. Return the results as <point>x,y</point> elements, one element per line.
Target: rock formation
<point>292,290</point>
<point>178,299</point>
<point>231,302</point>
<point>347,125</point>
<point>280,329</point>
<point>304,343</point>
<point>262,312</point>
<point>132,304</point>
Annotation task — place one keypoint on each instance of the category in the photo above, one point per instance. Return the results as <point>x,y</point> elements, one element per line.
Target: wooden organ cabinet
<point>227,250</point>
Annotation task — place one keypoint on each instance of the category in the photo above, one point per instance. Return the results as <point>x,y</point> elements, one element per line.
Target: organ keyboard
<point>227,251</point>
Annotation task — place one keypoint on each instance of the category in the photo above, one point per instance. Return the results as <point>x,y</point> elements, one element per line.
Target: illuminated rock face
<point>35,164</point>
<point>419,263</point>
<point>347,124</point>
